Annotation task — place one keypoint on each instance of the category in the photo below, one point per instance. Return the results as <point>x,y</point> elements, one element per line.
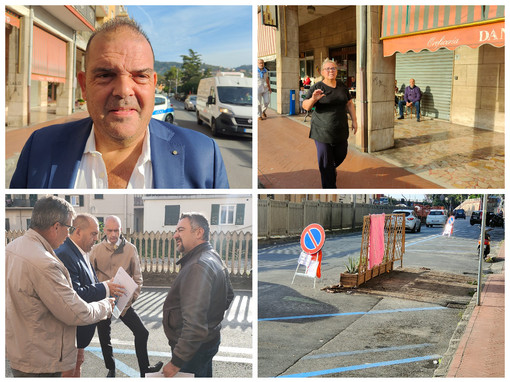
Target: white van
<point>224,103</point>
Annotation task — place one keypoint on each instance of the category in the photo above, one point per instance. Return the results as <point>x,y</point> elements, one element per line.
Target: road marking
<point>218,358</point>
<point>130,372</point>
<point>354,352</point>
<point>421,241</point>
<point>352,313</point>
<point>360,367</point>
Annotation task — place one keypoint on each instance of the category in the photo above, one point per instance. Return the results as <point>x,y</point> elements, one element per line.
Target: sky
<point>222,35</point>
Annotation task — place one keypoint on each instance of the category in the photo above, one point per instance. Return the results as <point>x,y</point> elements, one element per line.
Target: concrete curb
<point>447,358</point>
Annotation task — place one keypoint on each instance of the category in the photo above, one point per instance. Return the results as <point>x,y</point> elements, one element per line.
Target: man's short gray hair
<point>197,220</point>
<point>50,210</point>
<point>328,61</point>
<point>112,26</point>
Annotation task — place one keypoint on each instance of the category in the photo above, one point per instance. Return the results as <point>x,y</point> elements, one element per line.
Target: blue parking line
<point>352,313</point>
<point>121,366</point>
<point>360,367</point>
<point>355,352</point>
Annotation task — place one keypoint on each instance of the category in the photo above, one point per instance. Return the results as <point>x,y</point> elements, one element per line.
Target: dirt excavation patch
<point>419,284</point>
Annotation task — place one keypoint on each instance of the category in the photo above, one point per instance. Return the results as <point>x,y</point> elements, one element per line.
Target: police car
<point>163,109</point>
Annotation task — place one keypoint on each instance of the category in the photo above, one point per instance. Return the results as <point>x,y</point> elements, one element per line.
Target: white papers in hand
<point>122,278</point>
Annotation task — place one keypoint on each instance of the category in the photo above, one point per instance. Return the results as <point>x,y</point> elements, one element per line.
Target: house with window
<point>225,212</point>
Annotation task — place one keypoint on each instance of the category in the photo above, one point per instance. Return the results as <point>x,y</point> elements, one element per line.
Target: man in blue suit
<point>74,254</point>
<point>119,146</point>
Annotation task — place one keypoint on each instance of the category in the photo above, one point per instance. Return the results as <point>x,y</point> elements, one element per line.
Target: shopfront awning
<point>416,28</point>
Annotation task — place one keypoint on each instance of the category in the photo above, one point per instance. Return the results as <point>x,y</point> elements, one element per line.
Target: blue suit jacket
<point>181,158</point>
<point>85,284</point>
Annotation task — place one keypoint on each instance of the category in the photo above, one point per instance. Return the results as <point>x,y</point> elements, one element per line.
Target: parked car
<point>190,103</point>
<point>459,214</point>
<point>413,222</point>
<point>436,217</point>
<point>476,218</point>
<point>163,109</point>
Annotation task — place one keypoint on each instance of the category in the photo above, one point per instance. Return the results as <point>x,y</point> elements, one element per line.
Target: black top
<point>329,120</point>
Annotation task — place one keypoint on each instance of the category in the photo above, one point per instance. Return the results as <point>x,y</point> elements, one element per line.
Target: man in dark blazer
<point>119,146</point>
<point>74,254</point>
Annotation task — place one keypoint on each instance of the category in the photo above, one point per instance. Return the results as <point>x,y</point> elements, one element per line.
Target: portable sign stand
<point>448,228</point>
<point>312,240</point>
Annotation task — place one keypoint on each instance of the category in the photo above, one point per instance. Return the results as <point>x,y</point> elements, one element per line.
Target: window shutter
<point>82,203</point>
<point>68,198</point>
<point>172,215</point>
<point>215,214</point>
<point>240,214</point>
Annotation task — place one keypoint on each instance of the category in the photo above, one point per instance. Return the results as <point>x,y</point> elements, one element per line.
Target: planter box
<point>349,280</point>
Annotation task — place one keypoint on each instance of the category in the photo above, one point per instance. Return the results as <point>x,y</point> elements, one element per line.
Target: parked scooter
<point>487,244</point>
<point>497,220</point>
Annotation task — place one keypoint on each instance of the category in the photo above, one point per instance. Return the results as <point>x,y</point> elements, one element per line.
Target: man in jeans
<point>412,96</point>
<point>197,301</point>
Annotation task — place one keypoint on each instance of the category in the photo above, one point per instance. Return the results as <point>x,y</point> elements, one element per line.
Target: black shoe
<point>400,117</point>
<point>417,120</point>
<point>111,373</point>
<point>153,369</point>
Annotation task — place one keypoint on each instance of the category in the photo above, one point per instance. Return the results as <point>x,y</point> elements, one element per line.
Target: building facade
<point>18,208</point>
<point>455,54</point>
<point>44,50</point>
<point>224,212</point>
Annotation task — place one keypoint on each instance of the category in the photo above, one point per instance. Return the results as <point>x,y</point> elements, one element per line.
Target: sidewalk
<point>15,138</point>
<point>481,350</point>
<point>429,154</point>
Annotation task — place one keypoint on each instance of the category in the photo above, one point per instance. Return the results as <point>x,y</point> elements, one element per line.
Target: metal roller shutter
<point>432,72</point>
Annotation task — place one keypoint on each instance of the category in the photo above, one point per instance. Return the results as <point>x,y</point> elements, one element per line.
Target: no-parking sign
<point>313,238</point>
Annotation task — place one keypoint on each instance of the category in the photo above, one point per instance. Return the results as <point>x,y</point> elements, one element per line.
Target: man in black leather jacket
<point>197,301</point>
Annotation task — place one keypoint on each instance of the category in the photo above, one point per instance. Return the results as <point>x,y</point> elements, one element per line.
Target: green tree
<point>172,78</point>
<point>191,73</point>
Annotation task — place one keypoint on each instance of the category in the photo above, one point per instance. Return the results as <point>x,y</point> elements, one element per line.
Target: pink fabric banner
<point>376,243</point>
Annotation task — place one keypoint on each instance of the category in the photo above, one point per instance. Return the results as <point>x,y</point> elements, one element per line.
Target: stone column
<point>65,91</point>
<point>380,86</point>
<point>287,61</point>
<point>16,89</point>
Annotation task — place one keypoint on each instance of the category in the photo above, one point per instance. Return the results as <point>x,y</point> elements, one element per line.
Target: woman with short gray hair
<point>329,126</point>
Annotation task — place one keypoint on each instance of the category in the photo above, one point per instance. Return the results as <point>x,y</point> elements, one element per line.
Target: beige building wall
<point>287,66</point>
<point>380,87</point>
<point>154,211</point>
<point>17,55</point>
<point>478,94</point>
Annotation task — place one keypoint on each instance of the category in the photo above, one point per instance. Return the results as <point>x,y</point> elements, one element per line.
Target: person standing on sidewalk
<point>74,253</point>
<point>106,258</point>
<point>264,89</point>
<point>329,125</point>
<point>195,306</point>
<point>42,310</point>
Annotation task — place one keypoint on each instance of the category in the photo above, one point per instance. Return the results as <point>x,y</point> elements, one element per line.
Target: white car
<point>436,217</point>
<point>190,103</point>
<point>163,109</point>
<point>413,222</point>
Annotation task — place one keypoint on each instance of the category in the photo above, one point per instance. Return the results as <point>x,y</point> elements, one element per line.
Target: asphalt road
<point>234,359</point>
<point>305,332</point>
<point>236,151</point>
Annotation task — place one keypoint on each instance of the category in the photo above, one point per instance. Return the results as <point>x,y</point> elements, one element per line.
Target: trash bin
<point>292,107</point>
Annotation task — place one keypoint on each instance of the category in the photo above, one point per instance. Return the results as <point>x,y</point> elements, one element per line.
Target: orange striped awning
<point>416,28</point>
